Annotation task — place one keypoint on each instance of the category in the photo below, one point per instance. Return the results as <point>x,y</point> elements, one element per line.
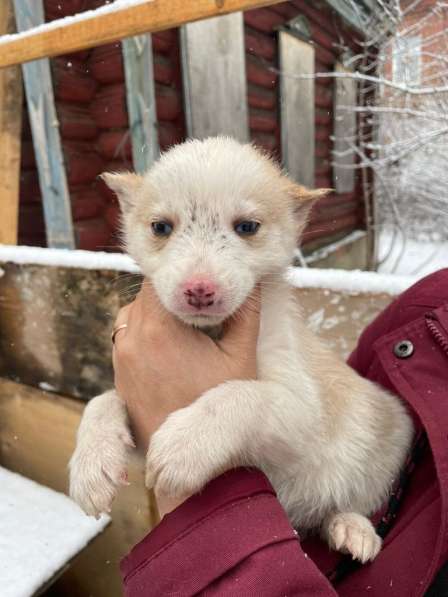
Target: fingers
<point>242,331</point>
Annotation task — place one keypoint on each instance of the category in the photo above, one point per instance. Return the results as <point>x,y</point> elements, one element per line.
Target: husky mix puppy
<point>206,224</point>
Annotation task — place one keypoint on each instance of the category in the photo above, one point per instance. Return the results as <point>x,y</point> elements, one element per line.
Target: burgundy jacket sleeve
<point>231,539</point>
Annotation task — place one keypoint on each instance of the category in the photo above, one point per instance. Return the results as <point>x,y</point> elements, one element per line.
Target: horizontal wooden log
<point>82,163</point>
<point>170,133</point>
<point>324,97</point>
<point>27,157</point>
<point>259,97</point>
<point>164,41</point>
<point>29,187</point>
<point>163,69</point>
<point>323,117</point>
<point>87,203</point>
<point>92,234</point>
<point>76,122</point>
<point>31,219</point>
<point>116,143</point>
<point>259,44</point>
<point>322,229</point>
<point>259,74</point>
<point>72,82</point>
<point>263,20</point>
<point>106,63</point>
<point>323,149</point>
<point>151,16</point>
<point>286,9</point>
<point>56,9</point>
<point>262,120</point>
<point>268,142</point>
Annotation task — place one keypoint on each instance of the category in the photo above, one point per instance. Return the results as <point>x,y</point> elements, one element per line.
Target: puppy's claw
<point>354,534</point>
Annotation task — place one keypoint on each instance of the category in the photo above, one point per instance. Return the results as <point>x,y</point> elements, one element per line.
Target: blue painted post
<point>141,100</point>
<point>46,138</point>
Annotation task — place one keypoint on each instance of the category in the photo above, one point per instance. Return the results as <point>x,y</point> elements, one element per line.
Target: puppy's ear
<point>125,185</point>
<point>304,199</point>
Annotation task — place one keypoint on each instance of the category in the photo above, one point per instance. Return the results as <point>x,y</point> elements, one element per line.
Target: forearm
<point>234,535</point>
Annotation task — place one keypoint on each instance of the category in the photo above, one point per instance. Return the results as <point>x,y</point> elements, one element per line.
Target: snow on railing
<point>352,282</point>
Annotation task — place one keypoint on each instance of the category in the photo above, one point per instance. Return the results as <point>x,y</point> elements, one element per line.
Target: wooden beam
<point>46,139</point>
<point>108,26</point>
<point>10,128</point>
<point>214,77</point>
<point>344,128</point>
<point>297,107</point>
<point>141,101</point>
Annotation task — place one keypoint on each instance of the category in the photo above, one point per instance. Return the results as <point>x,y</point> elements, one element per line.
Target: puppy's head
<point>207,222</point>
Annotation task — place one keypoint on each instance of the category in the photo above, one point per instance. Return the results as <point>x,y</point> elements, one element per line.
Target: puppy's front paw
<point>353,533</point>
<point>181,457</point>
<point>98,467</point>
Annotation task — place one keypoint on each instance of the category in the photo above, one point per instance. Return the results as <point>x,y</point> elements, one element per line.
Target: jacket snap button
<point>403,349</point>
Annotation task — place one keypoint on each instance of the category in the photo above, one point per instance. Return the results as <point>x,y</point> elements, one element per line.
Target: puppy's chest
<point>277,348</point>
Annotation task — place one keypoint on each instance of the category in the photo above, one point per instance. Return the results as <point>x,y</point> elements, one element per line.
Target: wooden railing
<point>94,28</point>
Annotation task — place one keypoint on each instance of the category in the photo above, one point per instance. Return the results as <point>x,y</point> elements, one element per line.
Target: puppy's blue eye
<point>162,228</point>
<point>246,227</point>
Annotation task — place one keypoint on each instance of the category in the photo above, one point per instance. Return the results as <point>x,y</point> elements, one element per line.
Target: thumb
<point>241,333</point>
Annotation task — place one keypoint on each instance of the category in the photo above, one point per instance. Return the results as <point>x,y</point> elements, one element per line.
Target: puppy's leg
<point>231,425</point>
<point>98,465</point>
<point>352,533</point>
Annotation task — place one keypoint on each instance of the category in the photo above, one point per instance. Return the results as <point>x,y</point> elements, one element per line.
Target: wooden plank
<point>214,76</point>
<point>10,127</point>
<point>37,438</point>
<point>69,350</point>
<point>141,100</point>
<point>46,138</point>
<point>297,108</point>
<point>105,27</point>
<point>344,126</point>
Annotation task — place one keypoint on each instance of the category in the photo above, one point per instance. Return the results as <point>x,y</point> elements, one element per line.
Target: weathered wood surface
<point>344,126</point>
<point>10,128</point>
<point>55,324</point>
<point>154,15</point>
<point>141,101</point>
<point>214,76</point>
<point>37,438</point>
<point>55,327</point>
<point>46,138</point>
<point>297,107</point>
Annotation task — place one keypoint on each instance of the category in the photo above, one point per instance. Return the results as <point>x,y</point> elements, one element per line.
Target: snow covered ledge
<point>57,309</point>
<point>350,282</point>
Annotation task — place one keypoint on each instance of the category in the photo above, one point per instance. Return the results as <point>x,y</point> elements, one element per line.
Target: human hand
<point>162,365</point>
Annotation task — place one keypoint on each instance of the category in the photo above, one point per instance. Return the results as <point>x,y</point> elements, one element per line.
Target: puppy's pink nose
<point>200,292</point>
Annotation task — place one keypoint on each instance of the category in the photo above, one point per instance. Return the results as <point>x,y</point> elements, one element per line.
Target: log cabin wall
<point>91,105</point>
<point>338,214</point>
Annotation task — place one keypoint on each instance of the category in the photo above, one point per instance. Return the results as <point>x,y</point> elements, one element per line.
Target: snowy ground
<point>410,257</point>
<point>40,531</point>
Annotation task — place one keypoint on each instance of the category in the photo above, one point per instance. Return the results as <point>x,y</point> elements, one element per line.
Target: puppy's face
<point>208,222</point>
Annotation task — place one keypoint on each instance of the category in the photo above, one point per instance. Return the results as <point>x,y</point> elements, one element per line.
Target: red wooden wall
<point>91,106</point>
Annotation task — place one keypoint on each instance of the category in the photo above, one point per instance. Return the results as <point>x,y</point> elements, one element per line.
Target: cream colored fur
<point>331,442</point>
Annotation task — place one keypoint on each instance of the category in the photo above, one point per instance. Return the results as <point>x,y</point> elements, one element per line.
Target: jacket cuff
<point>229,519</point>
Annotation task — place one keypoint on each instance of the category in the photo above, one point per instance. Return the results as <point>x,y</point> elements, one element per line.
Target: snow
<point>353,282</point>
<point>40,531</point>
<point>349,281</point>
<point>410,256</point>
<point>68,258</point>
<point>116,6</point>
<point>333,247</point>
